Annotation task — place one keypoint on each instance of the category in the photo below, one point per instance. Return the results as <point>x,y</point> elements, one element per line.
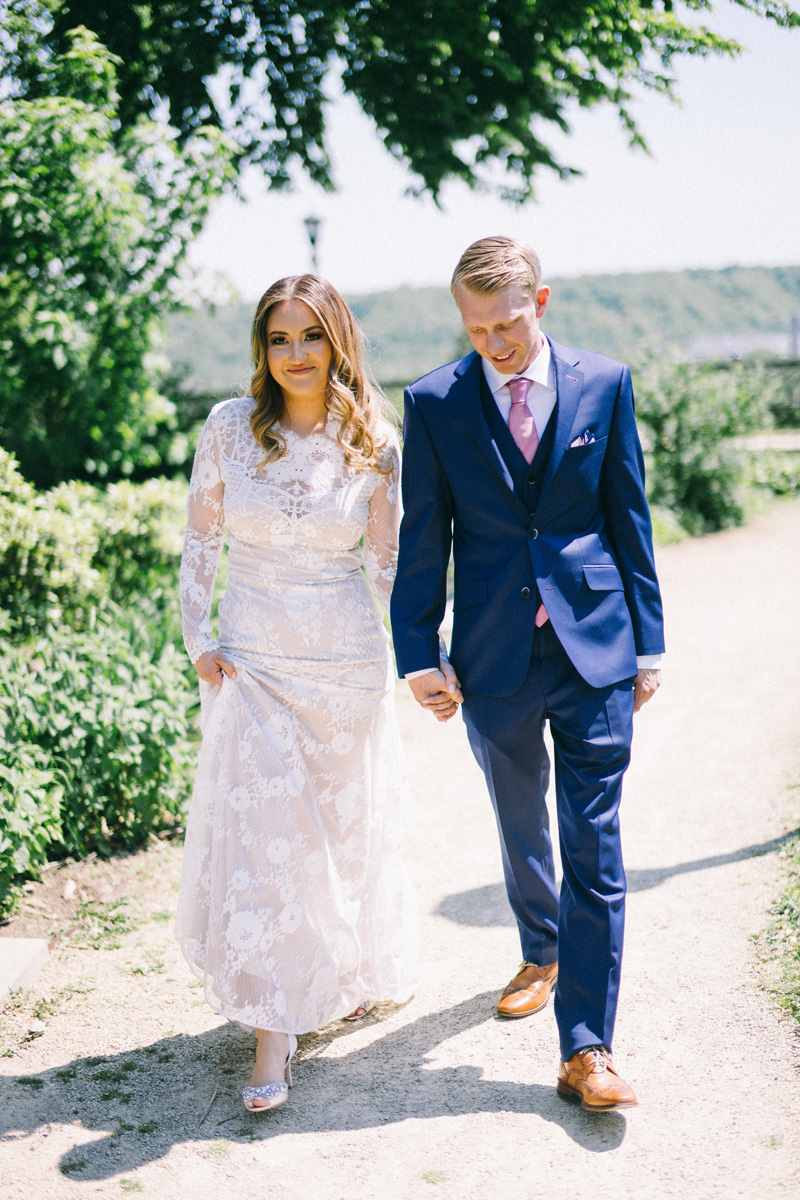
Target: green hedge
<point>30,814</point>
<point>66,550</point>
<point>110,724</point>
<point>96,692</point>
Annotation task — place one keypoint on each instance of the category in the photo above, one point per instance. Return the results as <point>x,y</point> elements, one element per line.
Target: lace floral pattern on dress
<point>295,905</point>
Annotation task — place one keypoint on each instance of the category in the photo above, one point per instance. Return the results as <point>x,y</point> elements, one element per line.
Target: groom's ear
<point>542,300</point>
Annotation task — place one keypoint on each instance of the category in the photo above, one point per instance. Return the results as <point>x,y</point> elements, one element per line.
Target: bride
<point>295,907</point>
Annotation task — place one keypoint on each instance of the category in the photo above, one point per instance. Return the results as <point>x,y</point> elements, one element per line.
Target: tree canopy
<point>94,222</point>
<point>456,90</point>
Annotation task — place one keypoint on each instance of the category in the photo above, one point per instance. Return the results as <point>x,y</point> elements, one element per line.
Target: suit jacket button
<point>526,593</point>
<point>533,534</point>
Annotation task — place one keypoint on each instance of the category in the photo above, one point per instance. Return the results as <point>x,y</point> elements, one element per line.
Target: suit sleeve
<point>420,590</point>
<point>628,522</point>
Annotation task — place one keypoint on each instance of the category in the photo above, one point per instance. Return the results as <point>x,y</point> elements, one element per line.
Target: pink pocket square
<point>583,439</point>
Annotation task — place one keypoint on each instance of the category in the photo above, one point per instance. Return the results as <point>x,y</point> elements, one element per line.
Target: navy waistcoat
<point>527,477</point>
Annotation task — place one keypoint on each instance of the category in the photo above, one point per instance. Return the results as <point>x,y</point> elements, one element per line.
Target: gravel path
<point>439,1098</point>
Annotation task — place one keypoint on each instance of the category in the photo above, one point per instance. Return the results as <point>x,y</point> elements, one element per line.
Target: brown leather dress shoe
<point>590,1076</point>
<point>528,991</point>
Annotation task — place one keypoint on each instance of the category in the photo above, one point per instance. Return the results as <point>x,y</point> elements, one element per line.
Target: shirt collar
<point>538,371</point>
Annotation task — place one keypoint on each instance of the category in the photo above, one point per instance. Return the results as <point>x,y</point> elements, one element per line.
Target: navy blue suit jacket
<point>587,547</point>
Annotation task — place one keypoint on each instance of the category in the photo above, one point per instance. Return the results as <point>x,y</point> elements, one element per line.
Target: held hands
<point>438,691</point>
<point>647,684</point>
<point>212,665</point>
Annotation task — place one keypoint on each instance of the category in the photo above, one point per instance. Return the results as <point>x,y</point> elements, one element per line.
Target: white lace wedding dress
<point>294,905</point>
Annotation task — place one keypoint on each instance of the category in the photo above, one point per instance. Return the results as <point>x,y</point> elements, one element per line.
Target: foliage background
<point>413,330</point>
<point>94,225</point>
<point>455,91</point>
<point>96,700</point>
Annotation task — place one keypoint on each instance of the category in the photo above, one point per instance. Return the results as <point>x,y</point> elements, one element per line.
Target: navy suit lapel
<point>569,388</point>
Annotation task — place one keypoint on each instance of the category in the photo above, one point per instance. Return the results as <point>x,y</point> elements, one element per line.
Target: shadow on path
<point>488,906</point>
<point>145,1107</point>
<point>642,880</point>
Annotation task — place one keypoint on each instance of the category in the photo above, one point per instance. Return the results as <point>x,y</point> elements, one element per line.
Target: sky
<point>721,187</point>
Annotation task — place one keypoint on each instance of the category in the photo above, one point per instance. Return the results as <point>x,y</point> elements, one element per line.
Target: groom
<point>524,459</point>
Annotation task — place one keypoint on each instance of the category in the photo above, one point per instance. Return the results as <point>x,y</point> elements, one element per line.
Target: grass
<point>77,1164</point>
<point>22,1006</point>
<point>103,923</point>
<point>779,943</point>
<point>434,1176</point>
<point>130,1185</point>
<point>155,966</point>
<point>116,1094</point>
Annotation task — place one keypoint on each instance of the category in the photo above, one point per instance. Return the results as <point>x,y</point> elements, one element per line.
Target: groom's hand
<point>438,691</point>
<point>647,684</point>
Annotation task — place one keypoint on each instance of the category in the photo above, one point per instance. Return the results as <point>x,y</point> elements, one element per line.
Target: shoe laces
<point>598,1056</point>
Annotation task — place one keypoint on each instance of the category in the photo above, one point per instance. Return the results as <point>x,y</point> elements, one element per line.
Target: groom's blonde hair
<point>494,263</point>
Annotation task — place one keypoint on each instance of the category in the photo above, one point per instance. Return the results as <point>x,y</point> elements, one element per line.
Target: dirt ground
<point>117,1077</point>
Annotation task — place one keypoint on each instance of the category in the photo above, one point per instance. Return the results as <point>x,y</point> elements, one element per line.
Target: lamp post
<point>312,225</point>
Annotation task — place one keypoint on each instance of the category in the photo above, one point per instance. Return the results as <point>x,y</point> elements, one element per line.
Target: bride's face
<point>298,352</point>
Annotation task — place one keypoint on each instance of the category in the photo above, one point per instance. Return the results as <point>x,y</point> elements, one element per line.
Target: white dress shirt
<point>541,400</point>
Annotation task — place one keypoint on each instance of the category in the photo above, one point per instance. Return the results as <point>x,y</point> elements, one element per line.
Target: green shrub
<point>136,529</point>
<point>786,401</point>
<point>95,693</point>
<point>778,471</point>
<point>96,214</point>
<point>112,719</point>
<point>64,551</point>
<point>691,411</point>
<point>46,555</point>
<point>30,810</point>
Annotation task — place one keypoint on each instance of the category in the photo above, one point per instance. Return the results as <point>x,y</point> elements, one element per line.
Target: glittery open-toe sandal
<point>360,1011</point>
<point>271,1095</point>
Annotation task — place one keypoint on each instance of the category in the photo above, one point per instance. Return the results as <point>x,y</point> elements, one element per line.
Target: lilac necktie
<point>522,428</point>
<point>521,425</point>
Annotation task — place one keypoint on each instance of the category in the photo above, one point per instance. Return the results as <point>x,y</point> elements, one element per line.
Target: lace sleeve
<point>383,525</point>
<point>202,543</point>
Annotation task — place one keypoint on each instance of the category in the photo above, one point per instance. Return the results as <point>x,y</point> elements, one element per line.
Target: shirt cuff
<point>416,674</point>
<point>650,662</point>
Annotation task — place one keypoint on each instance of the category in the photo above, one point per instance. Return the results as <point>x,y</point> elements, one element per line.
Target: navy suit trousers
<point>582,927</point>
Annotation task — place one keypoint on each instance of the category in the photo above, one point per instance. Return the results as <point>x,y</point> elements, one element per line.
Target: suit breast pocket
<point>578,454</point>
<point>585,462</point>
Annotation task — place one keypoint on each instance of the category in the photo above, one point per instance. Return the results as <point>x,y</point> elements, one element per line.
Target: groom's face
<point>504,326</point>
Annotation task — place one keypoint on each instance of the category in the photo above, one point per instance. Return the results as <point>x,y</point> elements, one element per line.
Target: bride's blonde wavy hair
<point>351,398</point>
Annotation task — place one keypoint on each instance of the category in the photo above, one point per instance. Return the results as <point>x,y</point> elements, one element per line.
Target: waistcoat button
<point>526,593</point>
<point>533,534</point>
